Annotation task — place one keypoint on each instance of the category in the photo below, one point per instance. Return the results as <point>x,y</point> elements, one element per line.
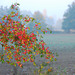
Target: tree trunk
<point>15,70</point>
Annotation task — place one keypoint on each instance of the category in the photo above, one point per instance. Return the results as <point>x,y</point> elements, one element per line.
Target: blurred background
<point>57,15</point>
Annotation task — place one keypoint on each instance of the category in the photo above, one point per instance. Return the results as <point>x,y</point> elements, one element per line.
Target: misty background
<point>49,13</point>
<point>58,16</point>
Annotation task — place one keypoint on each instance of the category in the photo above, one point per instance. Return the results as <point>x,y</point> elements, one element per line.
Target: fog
<point>52,10</point>
<point>58,16</point>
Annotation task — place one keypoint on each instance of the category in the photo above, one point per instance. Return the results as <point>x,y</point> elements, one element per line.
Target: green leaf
<point>31,56</point>
<point>9,16</point>
<point>6,40</point>
<point>51,59</point>
<point>11,6</point>
<point>28,60</point>
<point>33,19</point>
<point>3,61</point>
<point>43,32</point>
<point>9,33</point>
<point>47,28</point>
<point>18,4</point>
<point>4,16</point>
<point>34,63</point>
<point>11,63</point>
<point>35,22</point>
<point>36,39</point>
<point>24,61</point>
<point>30,52</point>
<point>41,56</point>
<point>15,45</point>
<point>7,61</point>
<point>50,31</point>
<point>55,59</point>
<point>21,16</point>
<point>15,65</point>
<point>39,28</point>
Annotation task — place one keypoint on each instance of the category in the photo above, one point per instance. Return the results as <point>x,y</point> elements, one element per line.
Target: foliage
<point>7,11</point>
<point>69,18</point>
<point>18,46</point>
<point>38,19</point>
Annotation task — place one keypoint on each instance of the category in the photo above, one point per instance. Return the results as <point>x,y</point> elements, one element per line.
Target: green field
<point>60,42</point>
<point>64,45</point>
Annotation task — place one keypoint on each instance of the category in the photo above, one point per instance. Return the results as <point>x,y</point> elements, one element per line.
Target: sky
<point>55,8</point>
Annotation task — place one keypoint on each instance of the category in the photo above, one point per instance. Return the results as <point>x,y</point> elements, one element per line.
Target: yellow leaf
<point>0,26</point>
<point>10,51</point>
<point>42,67</point>
<point>31,18</point>
<point>37,32</point>
<point>7,56</point>
<point>50,67</point>
<point>34,52</point>
<point>12,12</point>
<point>15,26</point>
<point>29,28</point>
<point>15,65</point>
<point>34,63</point>
<point>55,59</point>
<point>38,70</point>
<point>39,23</point>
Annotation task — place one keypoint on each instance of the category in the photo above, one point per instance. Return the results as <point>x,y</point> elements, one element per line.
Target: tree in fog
<point>7,11</point>
<point>58,25</point>
<point>69,18</point>
<point>3,11</point>
<point>39,18</point>
<point>50,22</point>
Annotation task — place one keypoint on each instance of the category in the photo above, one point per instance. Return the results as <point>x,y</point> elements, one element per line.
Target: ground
<point>66,60</point>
